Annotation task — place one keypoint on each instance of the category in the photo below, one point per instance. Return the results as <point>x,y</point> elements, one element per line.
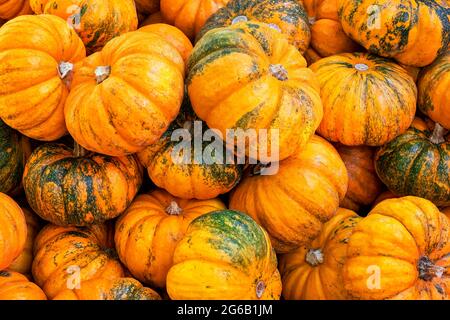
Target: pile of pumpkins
<point>91,91</point>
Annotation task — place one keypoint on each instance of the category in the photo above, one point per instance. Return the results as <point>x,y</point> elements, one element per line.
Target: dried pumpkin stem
<point>78,150</point>
<point>173,208</point>
<point>428,270</point>
<point>314,257</point>
<point>102,73</point>
<point>239,19</point>
<point>278,71</point>
<point>260,288</point>
<point>438,134</point>
<point>65,70</point>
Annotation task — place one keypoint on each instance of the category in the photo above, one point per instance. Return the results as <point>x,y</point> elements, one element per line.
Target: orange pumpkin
<point>35,70</point>
<point>12,8</point>
<point>15,286</point>
<point>446,211</point>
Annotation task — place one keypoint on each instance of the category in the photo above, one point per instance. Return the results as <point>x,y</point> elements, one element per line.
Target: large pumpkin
<point>314,272</point>
<point>288,16</point>
<point>434,91</point>
<point>413,32</point>
<point>15,286</point>
<point>247,76</point>
<point>95,21</point>
<point>12,8</point>
<point>367,100</point>
<point>147,233</point>
<point>66,257</point>
<point>293,204</point>
<point>36,61</point>
<point>124,97</point>
<point>400,251</point>
<point>74,189</point>
<point>224,255</point>
<point>13,231</point>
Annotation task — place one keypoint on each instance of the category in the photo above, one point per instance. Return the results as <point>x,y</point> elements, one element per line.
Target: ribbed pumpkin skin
<point>135,104</point>
<point>408,239</point>
<point>413,32</point>
<point>364,107</point>
<point>31,51</point>
<point>434,92</point>
<point>58,250</point>
<point>321,279</point>
<point>95,21</point>
<point>147,233</point>
<point>109,289</point>
<point>66,189</point>
<point>224,255</point>
<point>250,93</point>
<point>287,15</point>
<point>293,204</point>
<point>15,286</point>
<point>12,8</point>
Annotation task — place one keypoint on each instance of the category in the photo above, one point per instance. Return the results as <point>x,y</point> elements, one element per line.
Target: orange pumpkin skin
<point>446,211</point>
<point>293,204</point>
<point>64,255</point>
<point>147,233</point>
<point>13,231</point>
<point>367,100</point>
<point>401,250</point>
<point>10,9</point>
<point>38,92</point>
<point>15,286</point>
<point>314,272</point>
<point>124,97</point>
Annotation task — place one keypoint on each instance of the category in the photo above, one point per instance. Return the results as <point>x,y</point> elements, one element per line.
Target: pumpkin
<point>146,7</point>
<point>189,15</point>
<point>446,211</point>
<point>65,257</point>
<point>400,251</point>
<point>124,97</point>
<point>153,18</point>
<point>263,86</point>
<point>95,21</point>
<point>37,54</point>
<point>14,151</point>
<point>314,272</point>
<point>417,163</point>
<point>287,16</point>
<point>224,255</point>
<point>109,289</point>
<point>363,183</point>
<point>15,286</point>
<point>434,91</point>
<point>367,100</point>
<point>412,32</point>
<point>13,230</point>
<point>147,233</point>
<point>12,8</point>
<point>383,196</point>
<point>293,204</point>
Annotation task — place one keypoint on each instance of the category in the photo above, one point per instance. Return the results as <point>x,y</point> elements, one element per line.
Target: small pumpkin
<point>15,286</point>
<point>399,251</point>
<point>37,54</point>
<point>410,31</point>
<point>314,272</point>
<point>147,233</point>
<point>224,255</point>
<point>69,188</point>
<point>10,9</point>
<point>367,100</point>
<point>287,16</point>
<point>64,257</point>
<point>109,289</point>
<point>293,204</point>
<point>124,97</point>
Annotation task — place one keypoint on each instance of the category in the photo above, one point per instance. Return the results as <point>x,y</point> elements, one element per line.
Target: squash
<point>314,272</point>
<point>189,15</point>
<point>15,286</point>
<point>293,204</point>
<point>263,87</point>
<point>95,21</point>
<point>412,32</point>
<point>14,151</point>
<point>287,16</point>
<point>65,257</point>
<point>446,211</point>
<point>147,233</point>
<point>367,100</point>
<point>124,97</point>
<point>363,183</point>
<point>399,251</point>
<point>10,9</point>
<point>224,255</point>
<point>417,163</point>
<point>109,289</point>
<point>37,54</point>
<point>434,92</point>
<point>383,196</point>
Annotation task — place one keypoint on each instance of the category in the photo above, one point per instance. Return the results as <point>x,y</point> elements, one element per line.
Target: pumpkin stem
<point>260,288</point>
<point>78,150</point>
<point>312,20</point>
<point>361,67</point>
<point>256,170</point>
<point>102,73</point>
<point>314,257</point>
<point>438,134</point>
<point>428,270</point>
<point>278,71</point>
<point>274,26</point>
<point>239,19</point>
<point>173,208</point>
<point>65,70</point>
